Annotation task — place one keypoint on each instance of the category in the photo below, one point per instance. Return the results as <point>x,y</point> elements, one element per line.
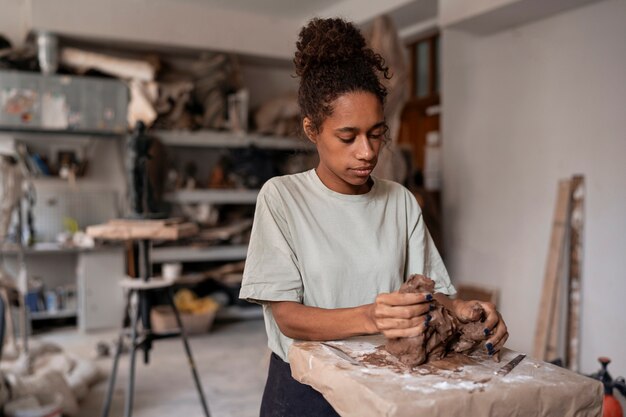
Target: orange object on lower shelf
<point>164,321</point>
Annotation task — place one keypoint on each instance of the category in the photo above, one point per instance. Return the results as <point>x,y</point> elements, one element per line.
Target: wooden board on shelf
<point>148,222</point>
<point>229,274</point>
<point>136,229</point>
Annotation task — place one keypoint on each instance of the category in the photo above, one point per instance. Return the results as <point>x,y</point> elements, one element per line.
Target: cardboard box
<point>164,321</point>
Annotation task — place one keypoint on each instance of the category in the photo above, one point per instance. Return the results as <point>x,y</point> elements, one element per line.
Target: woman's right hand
<point>401,314</point>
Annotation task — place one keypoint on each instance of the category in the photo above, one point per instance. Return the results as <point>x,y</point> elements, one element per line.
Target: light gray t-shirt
<point>325,249</point>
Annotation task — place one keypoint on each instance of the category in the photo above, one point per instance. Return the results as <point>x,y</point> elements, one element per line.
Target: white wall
<point>523,108</point>
<point>14,20</point>
<point>169,23</point>
<point>489,16</point>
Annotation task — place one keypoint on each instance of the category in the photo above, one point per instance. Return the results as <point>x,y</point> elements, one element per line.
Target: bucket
<point>47,52</point>
<point>39,405</point>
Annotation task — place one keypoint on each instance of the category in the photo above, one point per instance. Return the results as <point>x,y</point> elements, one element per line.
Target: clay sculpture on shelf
<point>444,333</point>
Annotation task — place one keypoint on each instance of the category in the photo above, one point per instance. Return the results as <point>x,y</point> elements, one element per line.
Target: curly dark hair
<point>332,59</point>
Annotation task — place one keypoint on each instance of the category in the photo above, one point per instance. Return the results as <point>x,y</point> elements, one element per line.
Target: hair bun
<point>327,41</point>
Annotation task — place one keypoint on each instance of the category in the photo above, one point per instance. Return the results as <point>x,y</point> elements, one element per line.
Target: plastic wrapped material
<point>456,386</point>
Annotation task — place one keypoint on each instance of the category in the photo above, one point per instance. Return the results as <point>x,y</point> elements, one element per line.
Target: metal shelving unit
<point>217,140</point>
<point>213,196</point>
<point>194,254</point>
<point>220,139</point>
<point>45,315</point>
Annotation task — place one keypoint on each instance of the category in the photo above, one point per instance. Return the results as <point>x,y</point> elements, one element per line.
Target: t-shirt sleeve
<point>271,272</point>
<point>422,256</point>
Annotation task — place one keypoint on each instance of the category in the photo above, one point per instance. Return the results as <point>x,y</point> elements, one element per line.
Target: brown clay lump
<point>445,333</point>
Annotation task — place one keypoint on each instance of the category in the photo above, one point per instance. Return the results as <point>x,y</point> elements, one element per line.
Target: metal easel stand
<point>136,324</point>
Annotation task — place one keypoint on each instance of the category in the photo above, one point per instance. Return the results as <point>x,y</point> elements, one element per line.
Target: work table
<point>379,385</point>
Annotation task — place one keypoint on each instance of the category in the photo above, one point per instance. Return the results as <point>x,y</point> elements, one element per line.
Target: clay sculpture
<point>445,332</point>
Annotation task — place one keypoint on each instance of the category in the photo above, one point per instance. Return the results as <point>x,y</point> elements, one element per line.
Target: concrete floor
<point>232,362</point>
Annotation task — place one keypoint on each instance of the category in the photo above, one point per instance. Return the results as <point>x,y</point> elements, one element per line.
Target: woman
<point>330,247</point>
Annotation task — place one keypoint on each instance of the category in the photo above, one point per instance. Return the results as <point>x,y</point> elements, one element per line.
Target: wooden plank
<point>548,294</point>
<point>122,231</point>
<point>577,217</point>
<point>556,312</point>
<point>146,222</point>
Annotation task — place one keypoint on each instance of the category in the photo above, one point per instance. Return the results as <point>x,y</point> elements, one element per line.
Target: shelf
<point>213,196</point>
<point>220,139</point>
<point>40,135</point>
<point>44,248</point>
<point>81,184</point>
<point>45,315</point>
<point>193,254</point>
<point>239,313</point>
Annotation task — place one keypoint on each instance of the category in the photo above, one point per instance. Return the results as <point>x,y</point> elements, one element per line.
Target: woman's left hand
<point>495,327</point>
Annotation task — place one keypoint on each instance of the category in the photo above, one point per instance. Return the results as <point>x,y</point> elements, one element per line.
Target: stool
<point>139,294</point>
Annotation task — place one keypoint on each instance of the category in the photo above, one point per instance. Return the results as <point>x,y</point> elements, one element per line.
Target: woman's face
<point>349,141</point>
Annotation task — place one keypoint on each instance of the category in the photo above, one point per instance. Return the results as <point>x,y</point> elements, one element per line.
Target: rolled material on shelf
<point>119,67</point>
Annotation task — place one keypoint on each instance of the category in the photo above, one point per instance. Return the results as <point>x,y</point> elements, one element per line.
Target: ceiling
<point>296,9</point>
<point>265,28</point>
<point>405,13</point>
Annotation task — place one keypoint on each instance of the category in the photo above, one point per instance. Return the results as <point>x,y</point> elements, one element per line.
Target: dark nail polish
<point>429,297</point>
<point>428,318</point>
<point>489,347</point>
<point>486,332</point>
<point>432,307</point>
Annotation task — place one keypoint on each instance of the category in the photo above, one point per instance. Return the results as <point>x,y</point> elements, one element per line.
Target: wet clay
<point>445,333</point>
<point>452,362</point>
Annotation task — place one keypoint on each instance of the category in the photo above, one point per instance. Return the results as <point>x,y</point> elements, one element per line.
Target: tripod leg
<point>135,311</point>
<point>145,305</point>
<point>192,364</point>
<point>118,352</point>
<point>146,297</point>
<point>109,397</point>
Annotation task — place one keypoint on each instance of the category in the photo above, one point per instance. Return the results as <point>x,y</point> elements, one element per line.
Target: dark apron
<point>286,397</point>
